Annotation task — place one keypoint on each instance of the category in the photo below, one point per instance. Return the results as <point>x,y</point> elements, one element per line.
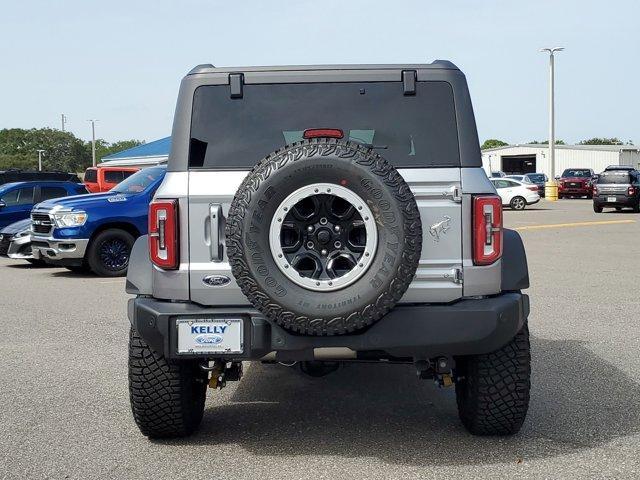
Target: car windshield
<point>576,173</point>
<point>536,177</point>
<point>139,181</point>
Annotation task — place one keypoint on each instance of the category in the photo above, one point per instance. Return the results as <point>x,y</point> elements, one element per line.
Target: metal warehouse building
<point>147,154</point>
<point>531,158</point>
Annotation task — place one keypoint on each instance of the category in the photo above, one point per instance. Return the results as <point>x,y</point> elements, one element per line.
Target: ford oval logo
<point>208,339</point>
<point>216,280</point>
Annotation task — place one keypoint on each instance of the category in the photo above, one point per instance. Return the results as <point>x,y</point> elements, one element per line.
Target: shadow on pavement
<point>578,402</point>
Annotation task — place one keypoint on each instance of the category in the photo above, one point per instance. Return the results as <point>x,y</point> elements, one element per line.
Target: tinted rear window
<point>409,131</point>
<point>614,177</point>
<point>536,177</point>
<point>91,175</point>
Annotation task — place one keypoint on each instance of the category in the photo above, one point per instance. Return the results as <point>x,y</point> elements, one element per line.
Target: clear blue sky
<point>121,61</point>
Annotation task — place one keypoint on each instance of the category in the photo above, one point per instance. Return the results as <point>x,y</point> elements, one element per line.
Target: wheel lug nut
<point>309,244</point>
<point>337,244</point>
<point>337,228</point>
<point>310,228</point>
<point>323,221</point>
<point>323,252</point>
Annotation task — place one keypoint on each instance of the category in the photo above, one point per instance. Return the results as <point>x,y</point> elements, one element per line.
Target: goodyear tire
<point>324,237</point>
<point>167,399</point>
<point>492,389</point>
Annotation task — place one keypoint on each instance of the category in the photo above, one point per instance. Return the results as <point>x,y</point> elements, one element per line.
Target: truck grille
<point>41,223</point>
<point>5,240</point>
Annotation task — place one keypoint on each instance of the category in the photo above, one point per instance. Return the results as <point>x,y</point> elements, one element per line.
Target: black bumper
<point>466,327</point>
<point>621,201</point>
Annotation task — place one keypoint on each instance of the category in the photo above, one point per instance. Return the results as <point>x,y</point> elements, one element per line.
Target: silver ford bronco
<point>314,215</point>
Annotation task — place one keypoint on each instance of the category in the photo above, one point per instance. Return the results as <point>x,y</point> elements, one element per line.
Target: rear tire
<point>109,252</point>
<point>518,203</point>
<point>493,389</point>
<point>597,208</point>
<point>167,399</point>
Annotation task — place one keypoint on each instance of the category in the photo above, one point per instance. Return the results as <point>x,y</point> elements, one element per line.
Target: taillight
<point>163,233</point>
<point>533,189</point>
<point>595,190</point>
<point>631,191</point>
<point>487,229</point>
<point>322,133</point>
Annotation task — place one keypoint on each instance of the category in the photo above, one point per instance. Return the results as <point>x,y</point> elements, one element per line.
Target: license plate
<point>210,335</point>
<point>611,199</point>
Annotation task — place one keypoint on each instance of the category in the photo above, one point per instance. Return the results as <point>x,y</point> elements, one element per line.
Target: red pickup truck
<point>576,182</point>
<point>103,179</point>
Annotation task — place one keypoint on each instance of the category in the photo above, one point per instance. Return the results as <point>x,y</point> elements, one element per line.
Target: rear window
<point>91,175</point>
<point>614,177</point>
<point>113,176</point>
<point>47,193</point>
<point>409,131</point>
<point>536,177</point>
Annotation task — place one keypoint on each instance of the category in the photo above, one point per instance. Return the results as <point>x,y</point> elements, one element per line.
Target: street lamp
<point>40,153</point>
<point>553,194</point>
<point>93,141</point>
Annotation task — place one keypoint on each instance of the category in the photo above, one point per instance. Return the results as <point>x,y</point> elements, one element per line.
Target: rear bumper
<point>469,326</point>
<point>68,252</point>
<point>621,201</point>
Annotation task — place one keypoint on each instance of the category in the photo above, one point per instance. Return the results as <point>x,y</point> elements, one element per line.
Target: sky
<point>121,61</point>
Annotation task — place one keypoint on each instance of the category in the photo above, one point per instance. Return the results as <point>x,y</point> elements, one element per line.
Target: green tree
<point>63,151</point>
<point>493,143</point>
<point>602,141</point>
<point>546,142</point>
<point>104,148</point>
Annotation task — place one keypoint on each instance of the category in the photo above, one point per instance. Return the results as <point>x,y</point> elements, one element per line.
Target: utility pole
<point>93,140</point>
<point>40,153</point>
<point>552,132</point>
<point>63,119</point>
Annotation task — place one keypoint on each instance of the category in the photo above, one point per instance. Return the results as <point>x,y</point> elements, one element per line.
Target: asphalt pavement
<point>64,407</point>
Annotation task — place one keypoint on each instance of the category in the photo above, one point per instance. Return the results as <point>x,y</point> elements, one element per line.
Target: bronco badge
<point>216,280</point>
<point>440,228</point>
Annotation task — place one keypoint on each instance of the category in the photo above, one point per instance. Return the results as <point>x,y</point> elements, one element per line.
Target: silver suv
<point>323,214</point>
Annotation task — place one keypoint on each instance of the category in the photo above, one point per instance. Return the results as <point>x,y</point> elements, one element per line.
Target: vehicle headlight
<point>70,219</point>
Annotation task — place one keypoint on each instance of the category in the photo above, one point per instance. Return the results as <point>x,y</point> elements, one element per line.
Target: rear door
<point>416,133</point>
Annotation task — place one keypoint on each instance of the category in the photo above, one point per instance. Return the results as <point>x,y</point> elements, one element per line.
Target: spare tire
<point>324,237</point>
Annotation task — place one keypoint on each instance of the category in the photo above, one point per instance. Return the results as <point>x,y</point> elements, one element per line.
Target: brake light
<point>595,190</point>
<point>533,189</point>
<point>631,191</point>
<point>322,133</point>
<point>487,229</point>
<point>163,233</point>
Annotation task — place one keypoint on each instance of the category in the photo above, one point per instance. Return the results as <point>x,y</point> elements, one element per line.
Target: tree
<point>601,141</point>
<point>546,142</point>
<point>63,151</point>
<point>104,148</point>
<point>493,143</point>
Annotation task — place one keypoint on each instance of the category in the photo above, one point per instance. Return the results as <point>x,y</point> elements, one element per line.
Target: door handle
<point>216,232</point>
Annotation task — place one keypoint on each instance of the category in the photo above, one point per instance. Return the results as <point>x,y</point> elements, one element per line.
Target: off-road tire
<point>492,390</point>
<point>94,260</point>
<point>167,399</point>
<point>518,203</point>
<point>597,208</point>
<point>301,164</point>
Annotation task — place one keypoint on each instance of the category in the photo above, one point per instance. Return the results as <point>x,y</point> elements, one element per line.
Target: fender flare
<point>515,271</point>
<point>139,273</point>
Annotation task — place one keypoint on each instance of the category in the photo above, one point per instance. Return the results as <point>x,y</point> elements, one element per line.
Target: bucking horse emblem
<point>440,228</point>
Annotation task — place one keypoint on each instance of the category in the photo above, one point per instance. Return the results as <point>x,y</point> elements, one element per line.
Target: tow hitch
<point>439,369</point>
<point>221,372</point>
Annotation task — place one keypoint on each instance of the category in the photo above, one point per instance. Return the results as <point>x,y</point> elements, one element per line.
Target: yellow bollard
<point>551,191</point>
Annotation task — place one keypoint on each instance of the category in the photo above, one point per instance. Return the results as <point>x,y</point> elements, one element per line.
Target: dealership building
<point>145,155</point>
<point>529,158</point>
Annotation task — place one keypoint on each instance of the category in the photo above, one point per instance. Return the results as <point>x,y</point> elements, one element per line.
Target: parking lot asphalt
<point>65,409</point>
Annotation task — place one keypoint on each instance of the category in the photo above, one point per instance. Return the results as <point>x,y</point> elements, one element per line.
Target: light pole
<point>40,153</point>
<point>93,141</point>
<point>63,120</point>
<point>552,132</point>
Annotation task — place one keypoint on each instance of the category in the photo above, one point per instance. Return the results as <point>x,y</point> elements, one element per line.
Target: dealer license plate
<point>210,335</point>
<point>611,199</point>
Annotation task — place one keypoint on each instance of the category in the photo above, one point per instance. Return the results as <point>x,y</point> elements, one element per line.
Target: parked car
<point>497,174</point>
<point>96,231</point>
<point>516,194</point>
<point>17,198</point>
<point>575,182</point>
<point>617,188</point>
<point>103,179</point>
<point>17,175</point>
<point>15,241</point>
<point>307,239</point>
<point>538,179</point>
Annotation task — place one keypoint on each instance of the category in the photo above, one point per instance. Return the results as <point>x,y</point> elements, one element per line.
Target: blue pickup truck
<point>97,231</point>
